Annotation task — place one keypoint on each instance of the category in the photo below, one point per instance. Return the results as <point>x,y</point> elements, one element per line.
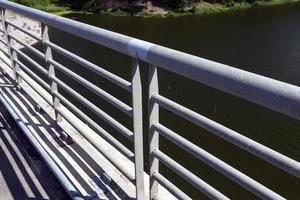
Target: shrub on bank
<point>34,3</point>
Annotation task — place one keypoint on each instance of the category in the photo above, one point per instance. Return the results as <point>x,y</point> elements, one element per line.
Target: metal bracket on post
<point>138,129</point>
<point>51,71</point>
<point>153,110</point>
<point>10,42</point>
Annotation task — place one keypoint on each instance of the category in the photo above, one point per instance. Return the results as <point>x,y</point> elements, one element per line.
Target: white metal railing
<point>276,95</point>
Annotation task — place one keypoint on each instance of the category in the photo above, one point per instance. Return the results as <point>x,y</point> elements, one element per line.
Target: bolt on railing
<point>153,134</point>
<point>138,128</point>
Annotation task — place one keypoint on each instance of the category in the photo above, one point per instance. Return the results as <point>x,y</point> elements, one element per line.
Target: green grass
<point>44,5</point>
<point>33,3</point>
<point>143,13</point>
<point>273,2</point>
<point>114,12</point>
<point>208,8</point>
<point>52,8</point>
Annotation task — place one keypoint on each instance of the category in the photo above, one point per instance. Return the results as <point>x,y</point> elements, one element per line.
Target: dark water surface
<point>261,40</point>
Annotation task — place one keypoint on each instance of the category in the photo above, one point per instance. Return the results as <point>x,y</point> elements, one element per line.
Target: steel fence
<point>252,87</point>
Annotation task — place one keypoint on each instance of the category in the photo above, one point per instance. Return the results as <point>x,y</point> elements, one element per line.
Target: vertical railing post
<point>51,70</point>
<point>153,111</point>
<point>138,129</point>
<point>10,42</point>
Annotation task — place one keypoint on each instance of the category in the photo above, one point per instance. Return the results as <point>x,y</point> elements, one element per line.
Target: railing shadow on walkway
<point>42,124</point>
<point>22,174</point>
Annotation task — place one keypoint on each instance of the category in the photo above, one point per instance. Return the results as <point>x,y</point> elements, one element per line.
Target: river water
<point>265,41</point>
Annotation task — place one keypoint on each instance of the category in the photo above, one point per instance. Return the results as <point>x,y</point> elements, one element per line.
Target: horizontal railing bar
<point>43,83</point>
<point>283,162</point>
<point>31,61</point>
<point>126,152</point>
<point>252,87</point>
<point>95,68</point>
<point>246,85</point>
<point>95,89</point>
<point>38,38</point>
<point>188,176</point>
<point>101,36</point>
<point>232,173</point>
<point>3,42</point>
<point>37,88</point>
<point>123,169</point>
<point>120,167</point>
<point>108,119</point>
<point>32,49</point>
<point>6,62</point>
<point>5,51</point>
<point>170,187</point>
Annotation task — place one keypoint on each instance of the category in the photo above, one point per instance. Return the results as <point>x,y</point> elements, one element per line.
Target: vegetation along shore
<point>147,8</point>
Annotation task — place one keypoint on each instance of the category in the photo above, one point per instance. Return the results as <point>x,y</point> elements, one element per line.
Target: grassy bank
<point>208,8</point>
<point>199,9</point>
<point>202,8</point>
